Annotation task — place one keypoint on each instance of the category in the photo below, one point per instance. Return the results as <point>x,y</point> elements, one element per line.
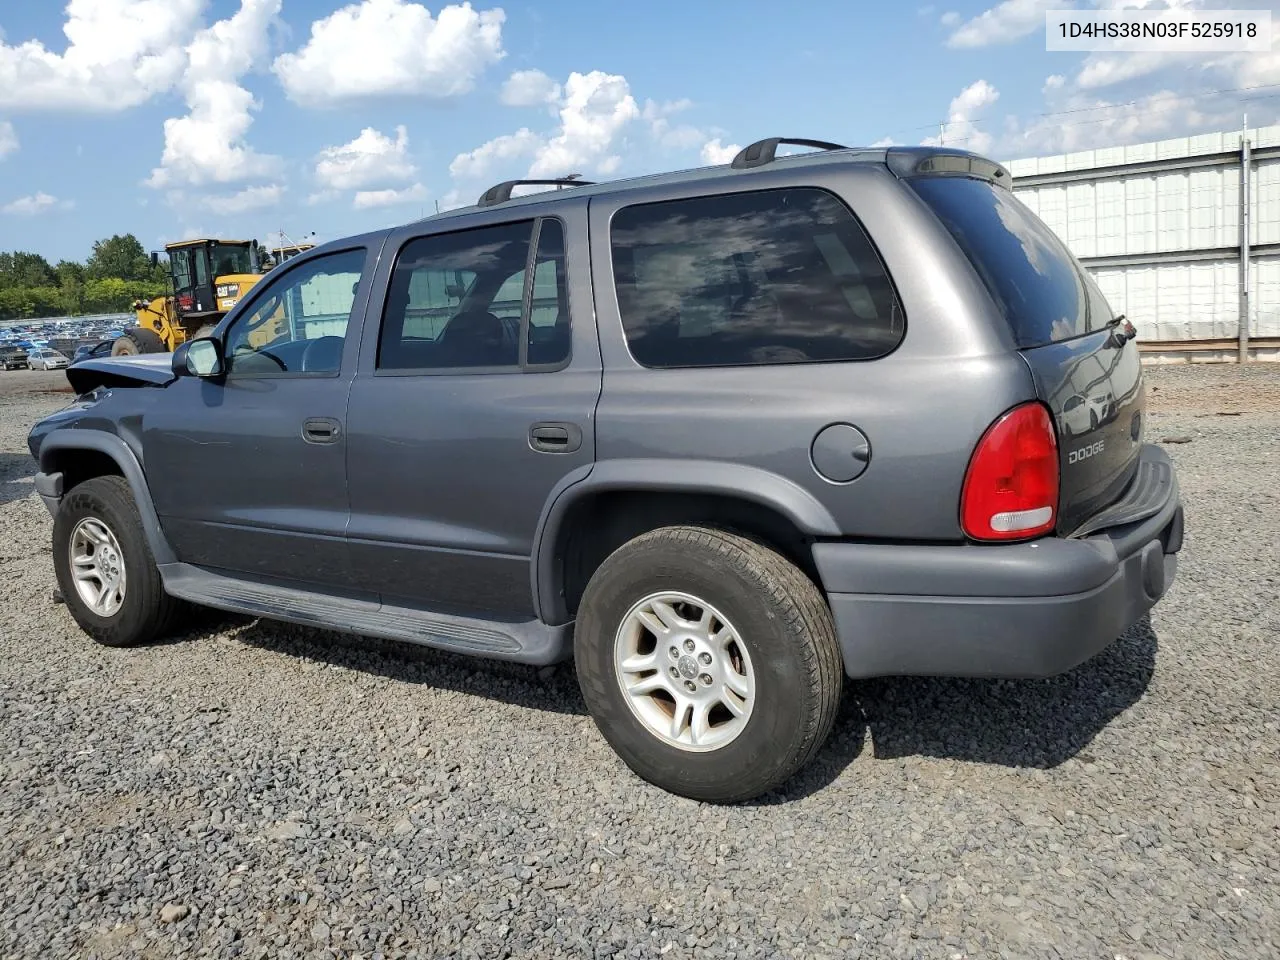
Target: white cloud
<point>367,199</point>
<point>594,110</point>
<point>1053,82</point>
<point>1098,123</point>
<point>529,88</point>
<point>715,153</point>
<point>36,203</point>
<point>960,129</point>
<point>391,47</point>
<point>680,137</point>
<point>119,53</point>
<point>950,18</point>
<point>243,201</point>
<point>885,142</point>
<point>371,159</point>
<point>322,196</point>
<point>8,139</point>
<point>207,145</point>
<point>1003,23</point>
<point>498,151</point>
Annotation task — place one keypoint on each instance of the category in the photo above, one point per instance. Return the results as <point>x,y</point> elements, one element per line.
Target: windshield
<point>1029,272</point>
<point>230,258</point>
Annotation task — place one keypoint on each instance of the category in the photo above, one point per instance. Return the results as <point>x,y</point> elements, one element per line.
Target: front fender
<point>717,477</point>
<point>106,443</point>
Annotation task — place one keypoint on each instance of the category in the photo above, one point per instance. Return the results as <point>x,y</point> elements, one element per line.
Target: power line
<point>1176,99</point>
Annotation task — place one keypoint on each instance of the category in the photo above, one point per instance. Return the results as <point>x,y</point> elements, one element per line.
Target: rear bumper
<point>1019,610</point>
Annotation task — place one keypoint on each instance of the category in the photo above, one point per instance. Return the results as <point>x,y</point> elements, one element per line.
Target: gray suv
<point>724,437</point>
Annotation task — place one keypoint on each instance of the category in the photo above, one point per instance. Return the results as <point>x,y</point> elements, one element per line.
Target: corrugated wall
<point>1192,212</point>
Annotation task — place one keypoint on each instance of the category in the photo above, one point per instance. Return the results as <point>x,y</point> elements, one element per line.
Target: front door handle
<point>555,437</point>
<point>321,430</point>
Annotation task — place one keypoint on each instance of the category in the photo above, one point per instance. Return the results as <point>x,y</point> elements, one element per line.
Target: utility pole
<point>942,132</point>
<point>1245,163</point>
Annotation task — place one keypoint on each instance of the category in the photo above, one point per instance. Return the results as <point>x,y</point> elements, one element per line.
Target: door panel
<point>446,487</point>
<point>446,490</point>
<point>237,486</point>
<point>249,471</point>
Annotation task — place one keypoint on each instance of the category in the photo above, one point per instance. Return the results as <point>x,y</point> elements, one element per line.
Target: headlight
<point>228,290</point>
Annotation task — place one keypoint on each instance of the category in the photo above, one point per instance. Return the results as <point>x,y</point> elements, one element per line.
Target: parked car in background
<point>14,358</point>
<point>87,350</point>
<point>45,358</point>
<point>724,437</point>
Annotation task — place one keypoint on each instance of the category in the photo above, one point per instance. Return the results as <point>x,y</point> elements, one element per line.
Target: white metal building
<point>1159,226</point>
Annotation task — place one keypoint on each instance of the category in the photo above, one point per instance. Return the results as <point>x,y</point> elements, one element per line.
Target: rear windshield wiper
<point>1124,334</point>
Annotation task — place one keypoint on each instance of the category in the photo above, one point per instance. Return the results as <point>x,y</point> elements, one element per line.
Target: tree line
<point>117,272</point>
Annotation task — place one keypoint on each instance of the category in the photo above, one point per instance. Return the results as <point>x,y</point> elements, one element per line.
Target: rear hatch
<point>1083,361</point>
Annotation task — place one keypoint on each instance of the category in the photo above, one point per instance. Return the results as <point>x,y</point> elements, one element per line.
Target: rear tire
<point>136,340</point>
<point>205,331</point>
<point>98,534</point>
<point>718,619</point>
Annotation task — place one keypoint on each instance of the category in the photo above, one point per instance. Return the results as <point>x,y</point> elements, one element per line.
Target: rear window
<point>778,276</point>
<point>1033,278</point>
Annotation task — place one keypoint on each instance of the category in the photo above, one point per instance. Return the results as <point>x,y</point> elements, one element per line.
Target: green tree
<point>121,257</point>
<point>22,269</point>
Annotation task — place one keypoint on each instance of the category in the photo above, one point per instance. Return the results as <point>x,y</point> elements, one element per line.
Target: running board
<point>526,641</point>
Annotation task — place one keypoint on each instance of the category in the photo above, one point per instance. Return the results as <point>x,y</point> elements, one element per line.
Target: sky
<point>171,119</point>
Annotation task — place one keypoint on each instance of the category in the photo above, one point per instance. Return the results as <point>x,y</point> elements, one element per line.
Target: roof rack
<point>502,191</point>
<point>762,151</point>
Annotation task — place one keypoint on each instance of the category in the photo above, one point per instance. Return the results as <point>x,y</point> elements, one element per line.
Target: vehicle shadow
<point>1013,723</point>
<point>550,689</point>
<point>16,471</point>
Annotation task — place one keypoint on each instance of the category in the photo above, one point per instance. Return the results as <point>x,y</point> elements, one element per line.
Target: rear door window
<point>777,276</point>
<point>1037,284</point>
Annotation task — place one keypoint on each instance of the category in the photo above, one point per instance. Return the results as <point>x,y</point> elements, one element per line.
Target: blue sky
<point>175,118</point>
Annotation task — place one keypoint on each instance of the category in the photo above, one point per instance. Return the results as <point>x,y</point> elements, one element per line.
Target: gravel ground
<point>257,790</point>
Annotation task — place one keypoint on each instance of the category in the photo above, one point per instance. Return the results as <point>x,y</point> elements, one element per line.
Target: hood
<point>138,370</point>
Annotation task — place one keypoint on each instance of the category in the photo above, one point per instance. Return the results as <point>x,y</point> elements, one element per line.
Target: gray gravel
<point>257,790</point>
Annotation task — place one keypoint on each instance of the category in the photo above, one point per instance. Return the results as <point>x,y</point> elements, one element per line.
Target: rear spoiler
<point>930,161</point>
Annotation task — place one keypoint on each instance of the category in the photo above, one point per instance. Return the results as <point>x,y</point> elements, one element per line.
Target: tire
<point>1093,420</point>
<point>785,641</point>
<point>145,611</point>
<point>205,331</point>
<point>136,340</point>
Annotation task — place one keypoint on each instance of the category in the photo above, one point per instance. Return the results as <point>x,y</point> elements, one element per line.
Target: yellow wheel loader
<point>208,278</point>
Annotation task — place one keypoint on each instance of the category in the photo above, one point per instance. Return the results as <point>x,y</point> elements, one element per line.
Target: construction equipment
<point>208,278</point>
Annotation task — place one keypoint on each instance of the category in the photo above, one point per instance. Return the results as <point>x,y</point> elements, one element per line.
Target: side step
<point>525,641</point>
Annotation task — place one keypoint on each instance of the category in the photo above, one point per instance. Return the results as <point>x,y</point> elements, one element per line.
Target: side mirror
<point>155,259</point>
<point>198,358</point>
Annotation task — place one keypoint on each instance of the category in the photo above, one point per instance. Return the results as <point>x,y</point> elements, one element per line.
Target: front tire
<point>708,661</point>
<point>105,569</point>
<point>136,340</point>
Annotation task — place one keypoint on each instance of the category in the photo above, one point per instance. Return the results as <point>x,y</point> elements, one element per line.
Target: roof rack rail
<point>762,151</point>
<point>502,191</point>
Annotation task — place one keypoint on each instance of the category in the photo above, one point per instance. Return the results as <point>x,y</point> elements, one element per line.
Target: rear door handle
<point>321,430</point>
<point>555,437</point>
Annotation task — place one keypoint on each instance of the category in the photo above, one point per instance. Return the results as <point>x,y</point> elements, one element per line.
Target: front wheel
<point>105,569</point>
<point>137,340</point>
<point>708,661</point>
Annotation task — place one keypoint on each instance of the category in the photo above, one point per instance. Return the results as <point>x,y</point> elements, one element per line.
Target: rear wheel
<point>137,340</point>
<point>105,569</point>
<point>708,661</point>
<point>205,331</point>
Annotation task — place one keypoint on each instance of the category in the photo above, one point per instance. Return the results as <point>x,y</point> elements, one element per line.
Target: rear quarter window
<point>778,276</point>
<point>1041,290</point>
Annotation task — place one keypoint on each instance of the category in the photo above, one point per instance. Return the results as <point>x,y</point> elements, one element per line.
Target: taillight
<point>1011,486</point>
